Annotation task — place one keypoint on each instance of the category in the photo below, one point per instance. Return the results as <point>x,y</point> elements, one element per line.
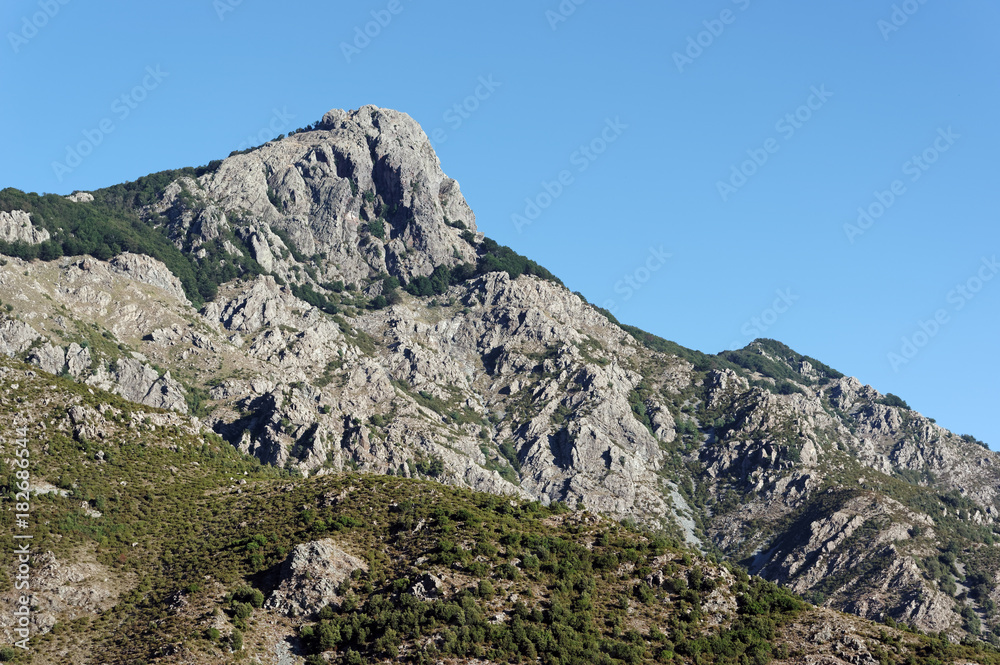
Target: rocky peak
<point>361,194</point>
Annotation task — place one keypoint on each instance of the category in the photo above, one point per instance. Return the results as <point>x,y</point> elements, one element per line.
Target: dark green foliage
<point>147,190</point>
<point>376,227</point>
<point>754,361</point>
<point>580,622</point>
<point>100,228</point>
<point>968,438</point>
<point>318,300</point>
<point>637,399</point>
<point>492,258</point>
<point>894,400</point>
<point>118,221</point>
<point>197,400</point>
<point>246,594</point>
<point>794,359</point>
<point>290,244</point>
<point>506,470</point>
<point>510,454</point>
<point>436,284</point>
<point>275,201</point>
<point>430,466</point>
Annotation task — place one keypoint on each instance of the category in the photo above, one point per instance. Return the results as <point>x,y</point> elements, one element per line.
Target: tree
<point>894,401</point>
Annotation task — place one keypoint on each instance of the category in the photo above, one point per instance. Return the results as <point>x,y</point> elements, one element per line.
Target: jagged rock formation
<point>311,578</point>
<point>16,226</point>
<point>503,383</point>
<point>325,188</point>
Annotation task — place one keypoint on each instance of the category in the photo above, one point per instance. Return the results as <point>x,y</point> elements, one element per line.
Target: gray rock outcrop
<point>16,226</point>
<point>311,577</point>
<point>138,382</point>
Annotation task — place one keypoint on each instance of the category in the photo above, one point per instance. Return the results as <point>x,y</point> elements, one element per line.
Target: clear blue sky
<point>888,92</point>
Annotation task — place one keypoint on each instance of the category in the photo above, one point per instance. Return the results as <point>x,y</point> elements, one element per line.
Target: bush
<point>247,594</point>
<point>493,258</point>
<point>895,401</point>
<point>329,636</point>
<point>242,610</point>
<point>376,227</point>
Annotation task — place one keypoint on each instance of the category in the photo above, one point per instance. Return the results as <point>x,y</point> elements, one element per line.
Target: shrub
<point>376,227</point>
<point>242,610</point>
<point>247,594</point>
<point>894,400</point>
<point>329,636</point>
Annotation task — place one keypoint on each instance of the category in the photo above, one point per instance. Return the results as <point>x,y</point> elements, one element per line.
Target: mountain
<point>326,305</point>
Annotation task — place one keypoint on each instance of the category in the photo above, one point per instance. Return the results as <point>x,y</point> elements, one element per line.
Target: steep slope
<point>325,303</point>
<point>172,547</point>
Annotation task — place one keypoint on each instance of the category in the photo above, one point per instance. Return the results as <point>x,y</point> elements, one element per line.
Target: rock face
<point>64,590</point>
<point>363,190</point>
<point>16,226</point>
<point>127,294</point>
<point>509,385</point>
<point>139,382</point>
<point>148,271</point>
<point>311,578</point>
